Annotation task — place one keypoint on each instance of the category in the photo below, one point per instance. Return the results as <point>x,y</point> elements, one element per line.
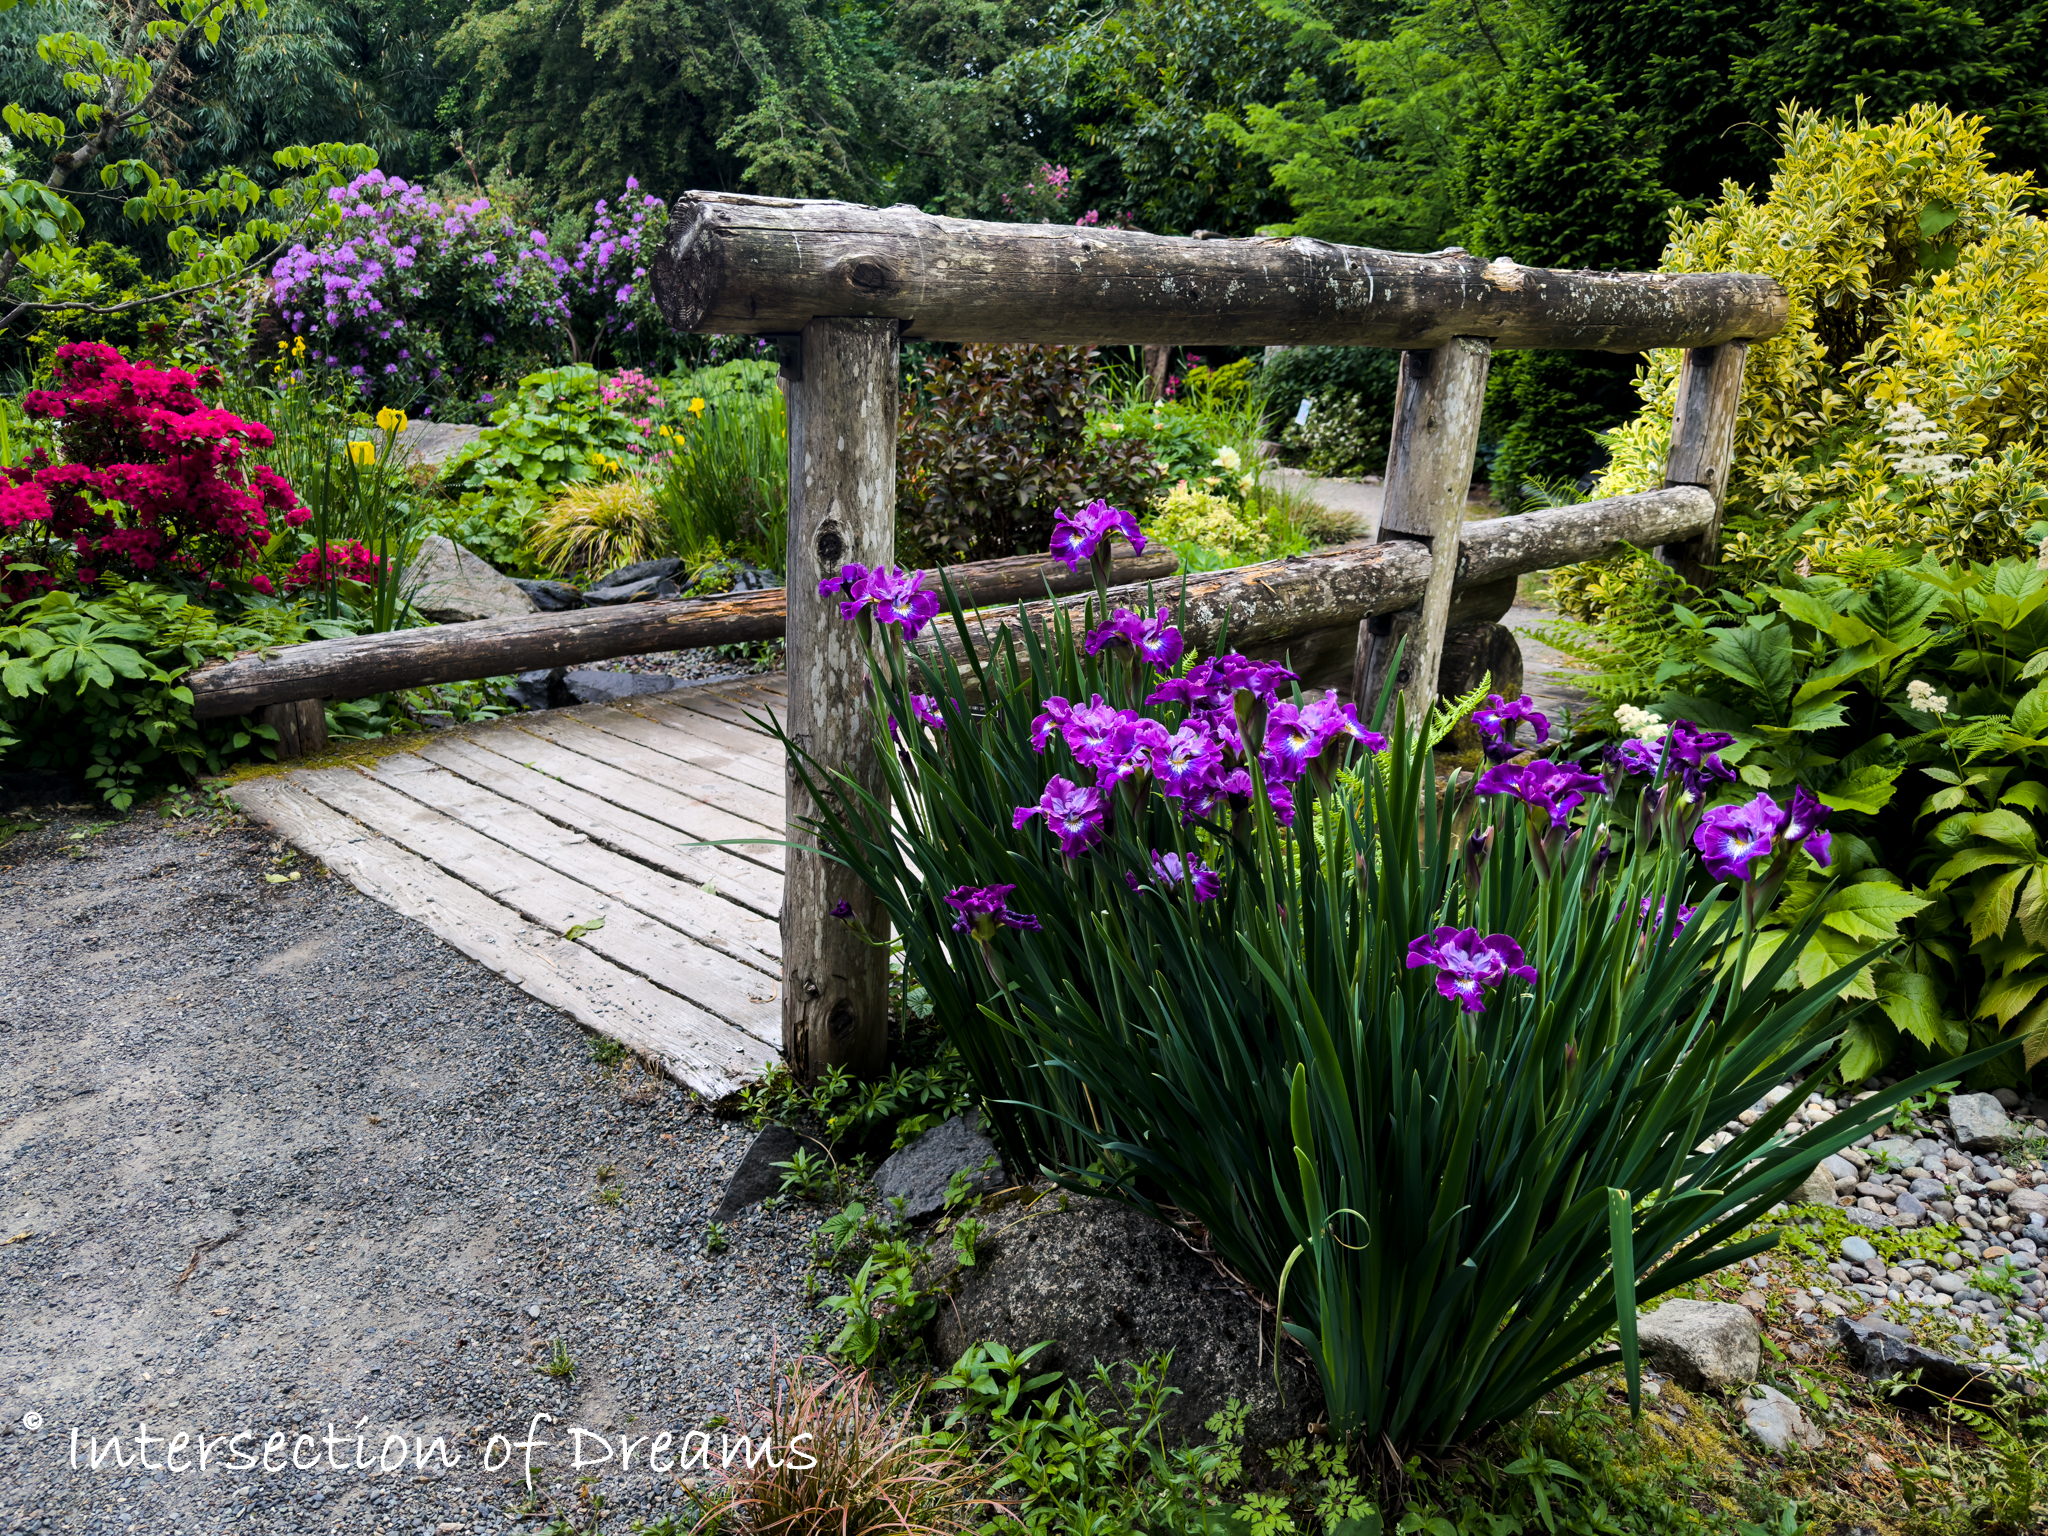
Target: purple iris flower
<point>848,585</point>
<point>1190,758</point>
<point>1733,838</point>
<point>924,708</point>
<point>1497,719</point>
<point>1210,685</point>
<point>1073,812</point>
<point>1656,920</point>
<point>900,597</point>
<point>1157,641</point>
<point>1556,788</point>
<point>1167,869</point>
<point>1466,964</point>
<point>985,909</point>
<point>844,910</point>
<point>1290,743</point>
<point>1052,717</point>
<point>1076,537</point>
<point>1802,825</point>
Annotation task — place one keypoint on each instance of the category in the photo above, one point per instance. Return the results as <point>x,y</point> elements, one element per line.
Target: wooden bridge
<point>566,851</point>
<point>615,806</point>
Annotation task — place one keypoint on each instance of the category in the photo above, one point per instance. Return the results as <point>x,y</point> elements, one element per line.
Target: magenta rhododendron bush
<point>155,483</point>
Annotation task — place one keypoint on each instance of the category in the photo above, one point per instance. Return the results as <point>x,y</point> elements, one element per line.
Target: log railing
<point>838,286</point>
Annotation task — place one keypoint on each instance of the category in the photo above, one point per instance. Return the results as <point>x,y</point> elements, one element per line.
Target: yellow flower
<point>666,433</point>
<point>284,346</point>
<point>298,347</point>
<point>697,405</point>
<point>391,421</point>
<point>362,453</point>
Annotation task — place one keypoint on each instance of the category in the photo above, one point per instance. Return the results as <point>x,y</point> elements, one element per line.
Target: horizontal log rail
<point>761,266</point>
<point>361,665</point>
<point>1335,587</point>
<point>1262,603</point>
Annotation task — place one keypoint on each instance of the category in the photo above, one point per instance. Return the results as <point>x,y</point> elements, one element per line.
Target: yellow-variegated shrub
<point>1904,407</point>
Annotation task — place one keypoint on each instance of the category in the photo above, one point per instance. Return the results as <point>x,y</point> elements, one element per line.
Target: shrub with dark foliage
<point>994,442</point>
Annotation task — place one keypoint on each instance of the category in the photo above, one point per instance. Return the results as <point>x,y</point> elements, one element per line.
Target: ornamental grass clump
<point>1434,1069</point>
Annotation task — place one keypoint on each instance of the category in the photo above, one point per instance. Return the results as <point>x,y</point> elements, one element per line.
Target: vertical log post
<point>1703,444</point>
<point>301,727</point>
<point>842,507</point>
<point>1429,476</point>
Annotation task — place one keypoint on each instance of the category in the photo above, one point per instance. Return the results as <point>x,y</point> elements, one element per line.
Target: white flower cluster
<point>1909,435</point>
<point>1921,696</point>
<point>1639,723</point>
<point>6,149</point>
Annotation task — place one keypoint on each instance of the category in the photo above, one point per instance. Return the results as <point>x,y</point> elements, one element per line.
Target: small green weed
<point>715,1241</point>
<point>606,1051</point>
<point>558,1363</point>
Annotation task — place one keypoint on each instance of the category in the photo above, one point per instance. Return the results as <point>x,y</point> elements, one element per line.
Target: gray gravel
<point>380,1165</point>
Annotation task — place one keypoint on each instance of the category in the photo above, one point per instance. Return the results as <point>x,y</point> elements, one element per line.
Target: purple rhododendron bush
<point>1430,1063</point>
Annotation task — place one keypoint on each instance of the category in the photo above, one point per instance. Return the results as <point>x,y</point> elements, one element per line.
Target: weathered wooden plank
<point>763,810</point>
<point>629,832</point>
<point>760,265</point>
<point>710,919</point>
<point>1429,479</point>
<point>734,721</point>
<point>738,839</point>
<point>672,734</point>
<point>719,994</point>
<point>594,992</point>
<point>842,508</point>
<point>365,664</point>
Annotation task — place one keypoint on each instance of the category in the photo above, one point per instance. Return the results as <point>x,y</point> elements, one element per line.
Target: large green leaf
<point>1867,1045</point>
<point>1913,1003</point>
<point>1870,910</point>
<point>1760,660</point>
<point>1897,606</point>
<point>1868,789</point>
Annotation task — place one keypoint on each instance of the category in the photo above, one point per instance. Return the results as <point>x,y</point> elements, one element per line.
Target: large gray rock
<point>920,1174</point>
<point>550,596</point>
<point>455,586</point>
<point>1704,1346</point>
<point>566,686</point>
<point>1819,1188</point>
<point>436,442</point>
<point>1882,1352</point>
<point>1779,1422</point>
<point>1980,1122</point>
<point>757,1177</point>
<point>1099,1281</point>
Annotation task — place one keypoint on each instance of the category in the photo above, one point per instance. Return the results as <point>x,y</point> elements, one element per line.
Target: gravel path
<point>286,1162</point>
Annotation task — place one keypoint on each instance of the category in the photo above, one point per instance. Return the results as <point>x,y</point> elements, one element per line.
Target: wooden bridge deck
<point>505,838</point>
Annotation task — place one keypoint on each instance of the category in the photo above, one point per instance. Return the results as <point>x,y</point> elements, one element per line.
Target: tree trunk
<point>762,265</point>
<point>842,508</point>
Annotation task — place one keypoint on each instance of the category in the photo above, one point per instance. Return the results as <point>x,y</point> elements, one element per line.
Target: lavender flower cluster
<point>606,281</point>
<point>408,297</point>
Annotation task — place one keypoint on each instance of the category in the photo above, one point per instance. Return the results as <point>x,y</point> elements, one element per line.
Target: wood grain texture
<point>1437,405</point>
<point>842,508</point>
<point>1703,445</point>
<point>716,994</point>
<point>588,988</point>
<point>449,653</point>
<point>760,265</point>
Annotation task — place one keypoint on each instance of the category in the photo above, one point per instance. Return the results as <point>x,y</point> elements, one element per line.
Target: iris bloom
<point>985,911</point>
<point>1466,964</point>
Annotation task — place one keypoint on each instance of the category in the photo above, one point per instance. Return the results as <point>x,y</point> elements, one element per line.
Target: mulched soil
<point>280,1160</point>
